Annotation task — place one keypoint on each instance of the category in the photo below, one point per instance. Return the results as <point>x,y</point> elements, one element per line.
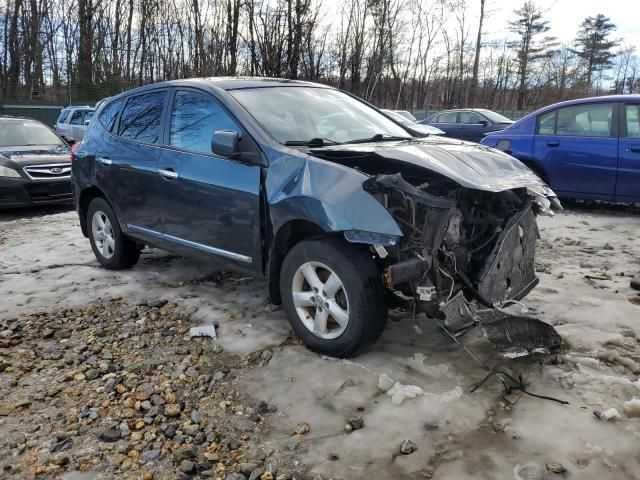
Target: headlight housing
<point>544,197</point>
<point>8,172</point>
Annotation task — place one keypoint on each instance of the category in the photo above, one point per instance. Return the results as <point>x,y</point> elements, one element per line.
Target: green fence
<point>46,112</point>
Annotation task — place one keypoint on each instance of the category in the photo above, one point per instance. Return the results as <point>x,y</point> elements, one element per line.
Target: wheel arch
<point>538,170</point>
<point>285,238</point>
<point>86,196</point>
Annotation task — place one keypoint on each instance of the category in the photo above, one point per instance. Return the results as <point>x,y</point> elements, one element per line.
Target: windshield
<point>26,132</point>
<point>495,117</point>
<point>301,114</point>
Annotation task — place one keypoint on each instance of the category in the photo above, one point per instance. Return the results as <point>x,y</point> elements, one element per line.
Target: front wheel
<point>333,296</point>
<point>112,249</point>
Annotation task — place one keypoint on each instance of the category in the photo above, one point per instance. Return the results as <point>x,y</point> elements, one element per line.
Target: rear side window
<point>194,119</point>
<point>62,116</point>
<point>448,117</point>
<point>632,116</point>
<point>140,119</point>
<point>77,118</point>
<point>109,114</point>
<point>591,120</point>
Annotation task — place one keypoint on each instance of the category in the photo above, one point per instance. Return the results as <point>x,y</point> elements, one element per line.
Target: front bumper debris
<point>508,275</point>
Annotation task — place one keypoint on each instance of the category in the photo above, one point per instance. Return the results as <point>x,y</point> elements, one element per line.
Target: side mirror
<point>484,123</point>
<point>86,123</point>
<point>225,143</point>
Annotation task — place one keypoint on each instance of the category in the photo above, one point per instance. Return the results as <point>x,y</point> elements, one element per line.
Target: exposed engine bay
<point>466,254</point>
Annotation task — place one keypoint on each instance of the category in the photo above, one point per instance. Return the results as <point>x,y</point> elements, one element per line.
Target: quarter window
<point>632,116</point>
<point>547,123</point>
<point>194,119</point>
<point>591,120</point>
<point>109,114</point>
<point>141,117</point>
<point>62,116</point>
<point>448,117</point>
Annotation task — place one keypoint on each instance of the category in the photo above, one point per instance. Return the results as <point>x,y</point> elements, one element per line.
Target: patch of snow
<point>632,407</point>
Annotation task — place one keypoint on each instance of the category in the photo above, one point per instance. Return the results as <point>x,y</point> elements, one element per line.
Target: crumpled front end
<point>467,256</point>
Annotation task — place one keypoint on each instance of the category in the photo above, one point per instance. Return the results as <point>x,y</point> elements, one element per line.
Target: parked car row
<point>585,148</point>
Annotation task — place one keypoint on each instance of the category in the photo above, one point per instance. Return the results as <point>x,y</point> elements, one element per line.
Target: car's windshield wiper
<point>314,142</point>
<point>378,137</point>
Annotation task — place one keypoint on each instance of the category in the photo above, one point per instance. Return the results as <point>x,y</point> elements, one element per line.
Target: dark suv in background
<point>338,205</point>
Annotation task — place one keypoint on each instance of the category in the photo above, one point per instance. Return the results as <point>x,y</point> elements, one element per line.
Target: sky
<point>565,17</point>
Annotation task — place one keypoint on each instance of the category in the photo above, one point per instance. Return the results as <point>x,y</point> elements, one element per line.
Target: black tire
<point>363,288</point>
<point>125,251</point>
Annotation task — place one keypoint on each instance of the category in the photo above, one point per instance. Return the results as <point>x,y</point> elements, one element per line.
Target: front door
<point>210,204</point>
<point>472,126</point>
<point>126,160</point>
<point>628,184</point>
<point>578,148</point>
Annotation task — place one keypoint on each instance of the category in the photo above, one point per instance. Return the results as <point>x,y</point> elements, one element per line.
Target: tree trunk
<point>476,61</point>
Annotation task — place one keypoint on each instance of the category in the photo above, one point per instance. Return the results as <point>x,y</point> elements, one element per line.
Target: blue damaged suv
<point>336,204</point>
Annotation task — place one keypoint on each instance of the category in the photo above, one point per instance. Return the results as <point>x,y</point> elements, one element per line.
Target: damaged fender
<point>328,195</point>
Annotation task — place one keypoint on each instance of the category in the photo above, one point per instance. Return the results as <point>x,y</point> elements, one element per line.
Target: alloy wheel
<point>321,300</point>
<point>102,232</point>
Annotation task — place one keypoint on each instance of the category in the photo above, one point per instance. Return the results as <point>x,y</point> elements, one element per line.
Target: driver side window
<point>194,118</point>
<point>470,117</point>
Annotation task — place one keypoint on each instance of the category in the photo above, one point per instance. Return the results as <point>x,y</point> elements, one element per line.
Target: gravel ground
<point>101,380</point>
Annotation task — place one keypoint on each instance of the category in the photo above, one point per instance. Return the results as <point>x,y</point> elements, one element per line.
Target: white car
<point>405,118</point>
<point>72,123</point>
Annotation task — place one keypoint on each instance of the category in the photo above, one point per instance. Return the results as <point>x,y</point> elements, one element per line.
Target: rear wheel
<point>110,246</point>
<point>333,296</point>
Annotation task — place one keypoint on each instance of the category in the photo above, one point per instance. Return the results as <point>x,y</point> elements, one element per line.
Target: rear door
<point>210,204</point>
<point>628,183</point>
<point>126,162</point>
<point>578,148</point>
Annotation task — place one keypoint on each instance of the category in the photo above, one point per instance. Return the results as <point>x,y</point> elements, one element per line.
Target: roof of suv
<point>224,83</point>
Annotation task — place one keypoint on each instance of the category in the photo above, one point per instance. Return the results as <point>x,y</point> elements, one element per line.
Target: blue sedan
<point>470,124</point>
<point>586,149</point>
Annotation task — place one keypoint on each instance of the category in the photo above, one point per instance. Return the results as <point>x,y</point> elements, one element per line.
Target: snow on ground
<point>585,260</point>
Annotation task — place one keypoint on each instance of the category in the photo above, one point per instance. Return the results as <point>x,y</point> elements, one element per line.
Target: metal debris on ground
<point>203,331</point>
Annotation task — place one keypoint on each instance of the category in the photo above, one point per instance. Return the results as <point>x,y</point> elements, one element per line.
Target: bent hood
<point>468,164</point>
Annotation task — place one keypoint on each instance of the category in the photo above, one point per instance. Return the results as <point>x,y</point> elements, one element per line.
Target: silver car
<point>72,123</point>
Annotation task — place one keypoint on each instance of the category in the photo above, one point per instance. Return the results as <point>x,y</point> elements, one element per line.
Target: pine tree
<point>594,46</point>
<point>528,26</point>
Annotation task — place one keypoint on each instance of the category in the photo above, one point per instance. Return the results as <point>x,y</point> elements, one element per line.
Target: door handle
<point>168,173</point>
<point>105,160</point>
<point>553,143</point>
<point>634,148</point>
